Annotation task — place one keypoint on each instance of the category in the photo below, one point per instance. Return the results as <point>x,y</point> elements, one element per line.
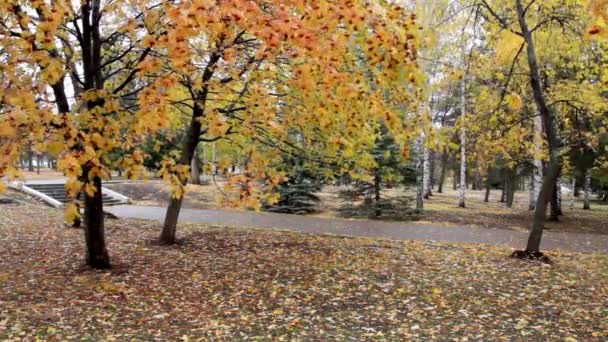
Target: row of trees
<point>357,89</point>
<point>93,81</point>
<point>523,94</point>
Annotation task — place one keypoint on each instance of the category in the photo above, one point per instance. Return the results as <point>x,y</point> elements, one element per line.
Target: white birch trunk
<point>426,178</point>
<point>532,191</point>
<point>572,192</point>
<point>419,173</point>
<point>538,163</point>
<point>587,198</point>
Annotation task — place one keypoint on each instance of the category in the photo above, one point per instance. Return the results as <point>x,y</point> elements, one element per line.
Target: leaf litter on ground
<point>224,283</point>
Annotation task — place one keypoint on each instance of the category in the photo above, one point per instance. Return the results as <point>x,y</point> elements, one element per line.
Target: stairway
<point>57,192</point>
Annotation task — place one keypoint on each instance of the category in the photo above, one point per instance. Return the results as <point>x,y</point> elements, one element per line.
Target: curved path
<point>367,228</point>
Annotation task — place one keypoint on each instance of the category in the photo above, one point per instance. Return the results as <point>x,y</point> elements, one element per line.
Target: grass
<point>234,284</point>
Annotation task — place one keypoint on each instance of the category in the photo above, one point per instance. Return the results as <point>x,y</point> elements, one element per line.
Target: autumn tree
<point>530,26</point>
<point>257,73</point>
<point>95,47</point>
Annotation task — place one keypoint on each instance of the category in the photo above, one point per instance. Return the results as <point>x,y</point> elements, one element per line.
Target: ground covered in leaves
<point>235,284</point>
<point>494,214</point>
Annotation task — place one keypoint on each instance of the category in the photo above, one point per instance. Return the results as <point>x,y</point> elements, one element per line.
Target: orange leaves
<point>7,130</point>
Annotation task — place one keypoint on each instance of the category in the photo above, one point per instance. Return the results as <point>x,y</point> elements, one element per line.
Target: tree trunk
<point>433,178</point>
<point>486,198</point>
<point>503,193</point>
<point>577,189</point>
<point>377,180</point>
<point>455,179</point>
<point>426,178</point>
<point>30,158</point>
<point>194,131</point>
<point>532,193</point>
<point>442,174</point>
<point>558,195</point>
<point>554,211</point>
<point>419,174</point>
<point>38,161</point>
<point>96,253</point>
<point>195,176</point>
<point>587,191</point>
<point>548,120</point>
<point>572,192</point>
<point>463,147</point>
<point>510,187</point>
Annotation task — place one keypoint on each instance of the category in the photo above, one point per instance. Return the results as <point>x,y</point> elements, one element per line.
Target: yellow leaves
<point>109,287</point>
<point>507,47</point>
<point>4,276</point>
<point>600,333</point>
<point>55,148</point>
<point>3,187</point>
<point>52,70</point>
<point>217,124</point>
<point>514,101</point>
<point>71,213</point>
<point>7,130</point>
<point>73,187</point>
<point>70,166</point>
<point>90,189</point>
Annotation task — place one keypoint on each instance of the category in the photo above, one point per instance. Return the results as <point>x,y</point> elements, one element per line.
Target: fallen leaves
<point>234,284</point>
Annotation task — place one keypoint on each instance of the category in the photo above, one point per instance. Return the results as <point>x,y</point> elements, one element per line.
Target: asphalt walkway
<point>367,228</point>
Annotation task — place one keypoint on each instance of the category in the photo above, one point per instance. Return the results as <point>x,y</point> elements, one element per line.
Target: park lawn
<point>235,284</point>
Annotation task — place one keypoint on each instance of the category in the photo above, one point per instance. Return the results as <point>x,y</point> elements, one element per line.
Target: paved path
<point>367,228</point>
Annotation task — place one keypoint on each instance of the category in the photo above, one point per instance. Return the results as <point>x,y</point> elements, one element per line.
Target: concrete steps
<point>57,192</point>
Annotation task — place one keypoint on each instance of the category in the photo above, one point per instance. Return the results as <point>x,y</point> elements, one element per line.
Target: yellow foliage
<point>507,47</point>
<point>71,213</point>
<point>514,101</point>
<point>6,130</point>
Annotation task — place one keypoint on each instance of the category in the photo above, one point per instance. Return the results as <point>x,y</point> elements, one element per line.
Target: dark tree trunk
<point>377,180</point>
<point>488,185</point>
<point>455,179</point>
<point>503,193</point>
<point>96,253</point>
<point>30,158</point>
<point>444,158</point>
<point>554,165</point>
<point>554,210</point>
<point>577,189</point>
<point>167,235</point>
<point>195,176</point>
<point>510,194</point>
<point>194,131</point>
<point>38,161</point>
<point>486,197</point>
<point>510,184</point>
